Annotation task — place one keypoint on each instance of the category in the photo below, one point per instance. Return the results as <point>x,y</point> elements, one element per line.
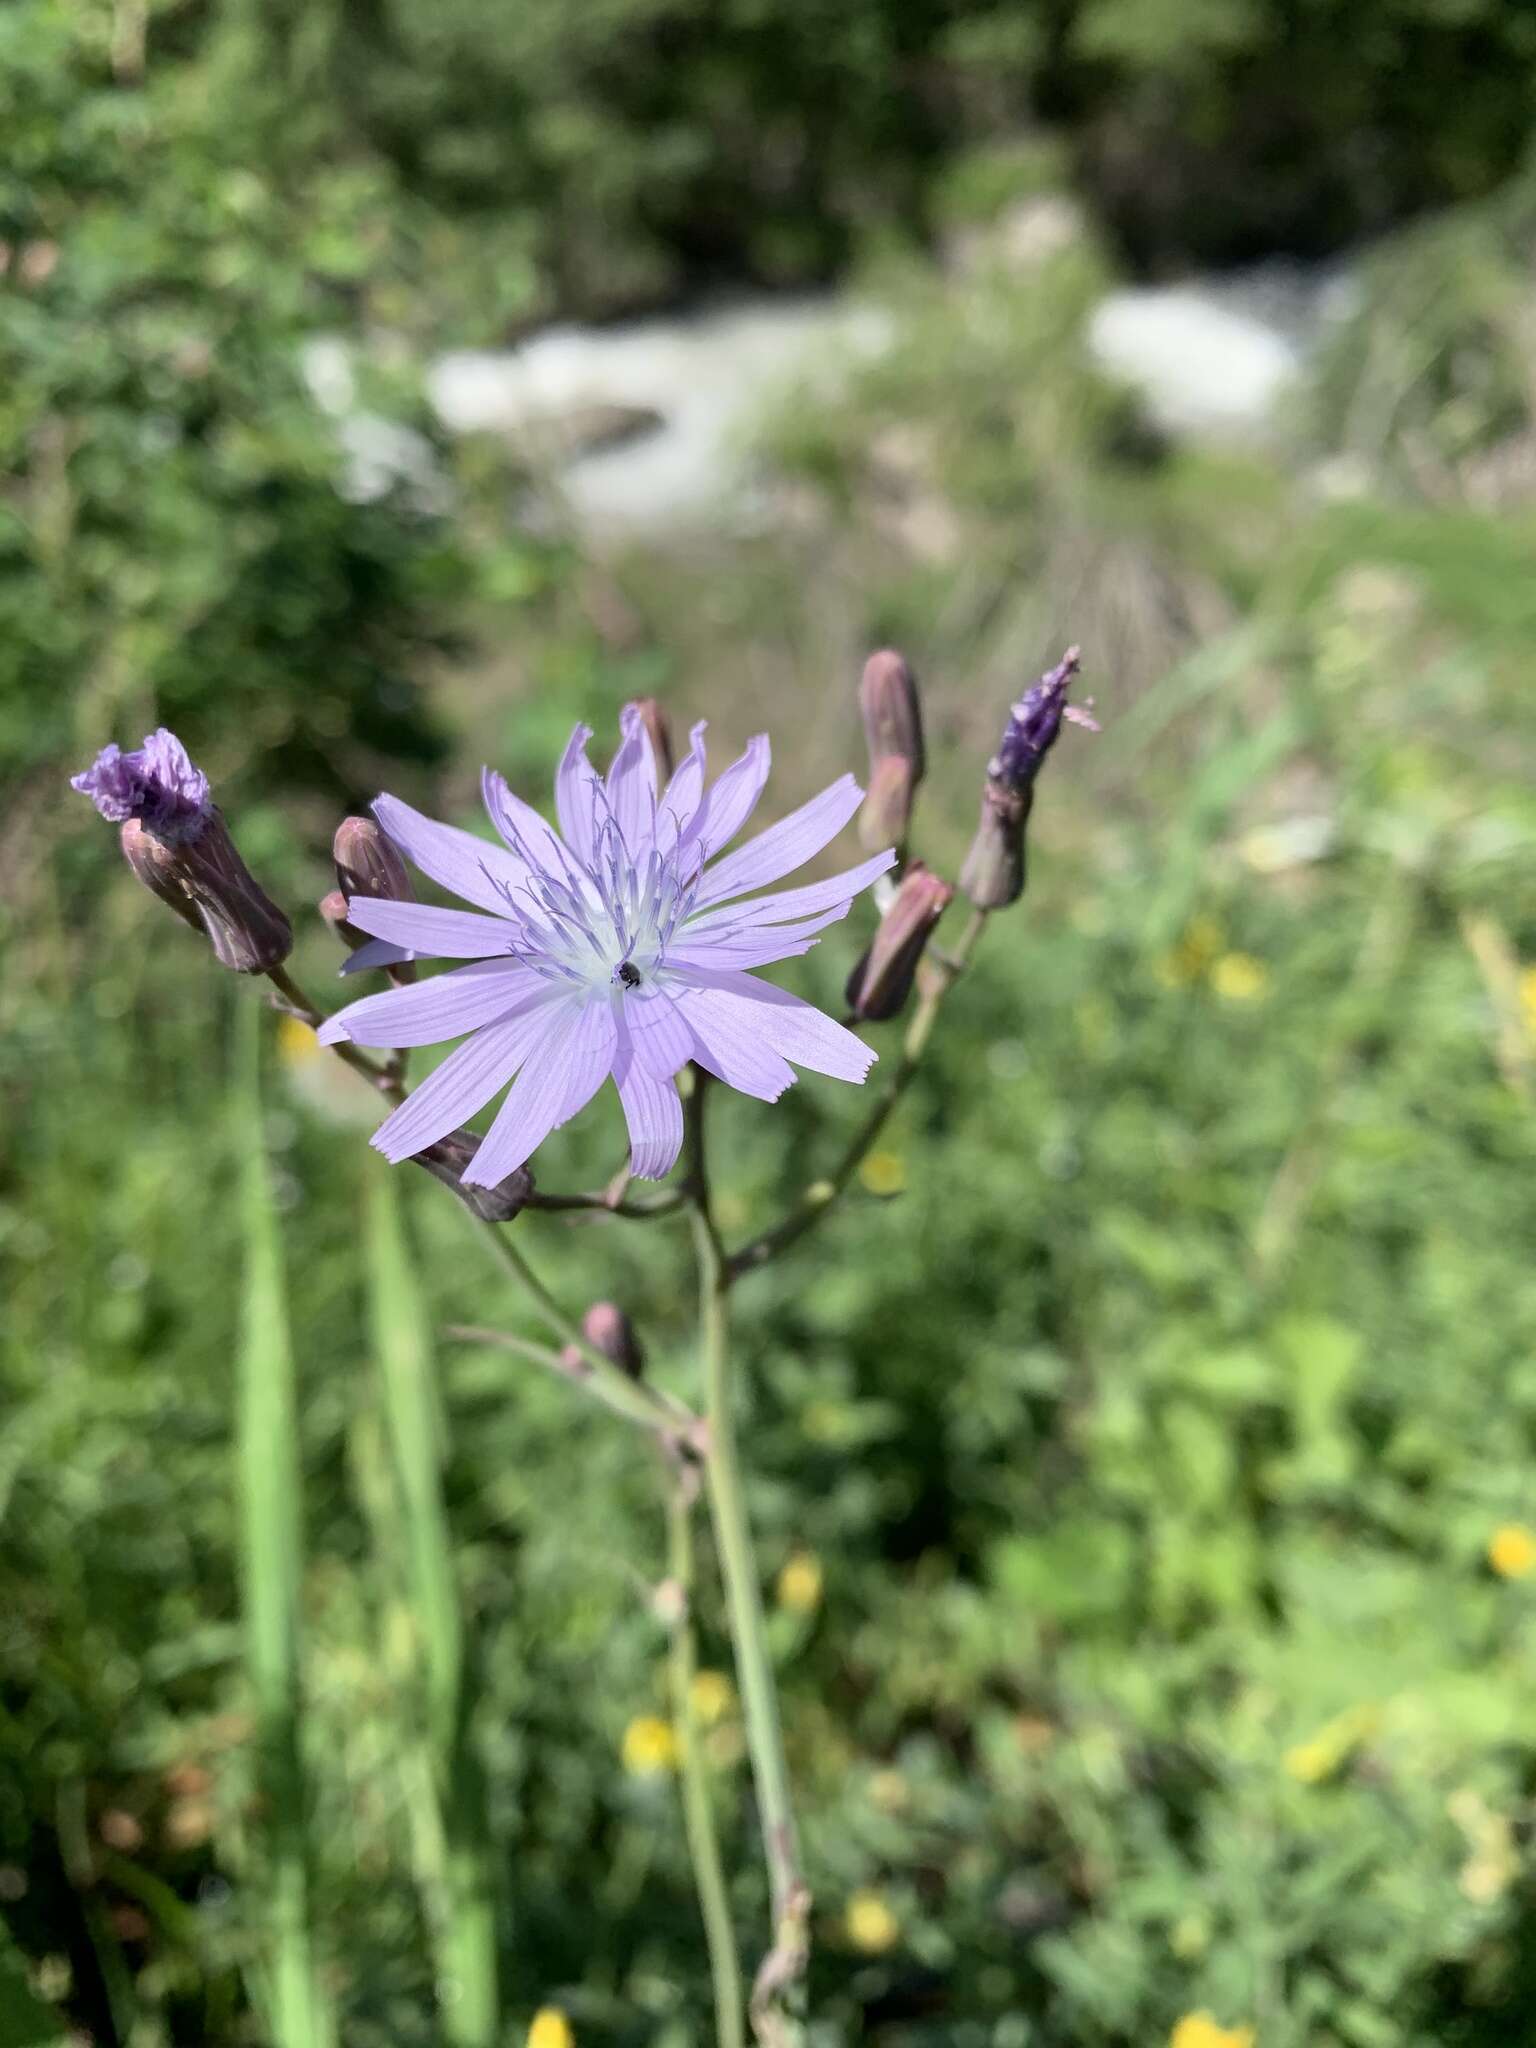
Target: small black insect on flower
<point>629,973</point>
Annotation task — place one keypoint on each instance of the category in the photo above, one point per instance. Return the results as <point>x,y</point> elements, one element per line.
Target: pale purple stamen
<point>607,951</point>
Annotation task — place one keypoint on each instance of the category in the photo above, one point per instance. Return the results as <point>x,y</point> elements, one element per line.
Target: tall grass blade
<point>271,1543</point>
<point>455,1866</point>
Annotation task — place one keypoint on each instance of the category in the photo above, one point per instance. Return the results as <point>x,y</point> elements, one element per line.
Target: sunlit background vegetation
<point>1143,1459</point>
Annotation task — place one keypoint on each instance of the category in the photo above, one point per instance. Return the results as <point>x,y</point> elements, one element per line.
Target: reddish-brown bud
<point>208,885</point>
<point>368,864</point>
<point>608,1330</point>
<point>659,726</point>
<point>882,981</point>
<point>448,1160</point>
<point>333,908</point>
<point>893,726</point>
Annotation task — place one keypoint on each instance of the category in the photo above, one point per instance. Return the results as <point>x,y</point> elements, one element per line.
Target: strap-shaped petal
<point>783,847</point>
<point>564,1069</point>
<point>466,866</point>
<point>464,1083</point>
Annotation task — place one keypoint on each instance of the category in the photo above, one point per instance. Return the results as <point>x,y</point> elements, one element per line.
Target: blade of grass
<point>271,1545</point>
<point>458,1889</point>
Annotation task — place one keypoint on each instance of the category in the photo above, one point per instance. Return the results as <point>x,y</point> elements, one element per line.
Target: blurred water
<point>669,400</point>
<point>645,425</point>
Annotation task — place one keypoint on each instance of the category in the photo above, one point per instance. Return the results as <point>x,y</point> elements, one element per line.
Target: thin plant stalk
<point>462,1909</point>
<point>818,1197</point>
<point>698,1804</point>
<point>789,1898</point>
<point>271,1549</point>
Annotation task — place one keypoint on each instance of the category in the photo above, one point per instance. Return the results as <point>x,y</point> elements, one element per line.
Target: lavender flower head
<point>618,945</point>
<point>176,843</point>
<point>156,784</point>
<point>1034,722</point>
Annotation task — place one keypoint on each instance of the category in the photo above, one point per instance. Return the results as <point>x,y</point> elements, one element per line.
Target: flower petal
<point>652,1111</point>
<point>726,1042</point>
<point>576,798</point>
<point>464,1083</point>
<point>683,792</point>
<point>658,1032</point>
<point>785,846</point>
<point>730,801</point>
<point>632,784</point>
<point>793,1028</point>
<point>532,839</point>
<point>464,999</point>
<point>750,944</point>
<point>438,934</point>
<point>376,953</point>
<point>570,1061</point>
<point>790,903</point>
<point>469,867</point>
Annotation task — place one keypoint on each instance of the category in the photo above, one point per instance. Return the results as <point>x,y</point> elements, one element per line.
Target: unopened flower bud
<point>333,909</point>
<point>882,981</point>
<point>995,871</point>
<point>177,844</point>
<point>659,727</point>
<point>367,863</point>
<point>608,1330</point>
<point>448,1161</point>
<point>893,725</point>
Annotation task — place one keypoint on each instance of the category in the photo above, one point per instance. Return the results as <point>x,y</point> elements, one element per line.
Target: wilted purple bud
<point>607,1329</point>
<point>206,883</point>
<point>447,1161</point>
<point>659,727</point>
<point>893,725</point>
<point>1034,723</point>
<point>367,863</point>
<point>155,784</point>
<point>176,843</point>
<point>882,981</point>
<point>995,871</point>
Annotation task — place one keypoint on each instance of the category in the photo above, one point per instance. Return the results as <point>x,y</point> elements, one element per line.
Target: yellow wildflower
<point>884,1173</point>
<point>799,1583</point>
<point>1200,2030</point>
<point>650,1746</point>
<point>296,1042</point>
<point>1239,978</point>
<point>1193,954</point>
<point>712,1696</point>
<point>1512,1550</point>
<point>1527,987</point>
<point>1310,1762</point>
<point>551,2029</point>
<point>870,1925</point>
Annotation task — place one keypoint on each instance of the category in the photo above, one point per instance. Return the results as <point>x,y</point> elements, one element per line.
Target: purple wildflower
<point>608,947</point>
<point>156,784</point>
<point>1034,722</point>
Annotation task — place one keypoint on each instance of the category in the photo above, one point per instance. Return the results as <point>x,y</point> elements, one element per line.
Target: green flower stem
<point>599,1375</point>
<point>389,1080</point>
<point>698,1807</point>
<point>790,1900</point>
<point>817,1198</point>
